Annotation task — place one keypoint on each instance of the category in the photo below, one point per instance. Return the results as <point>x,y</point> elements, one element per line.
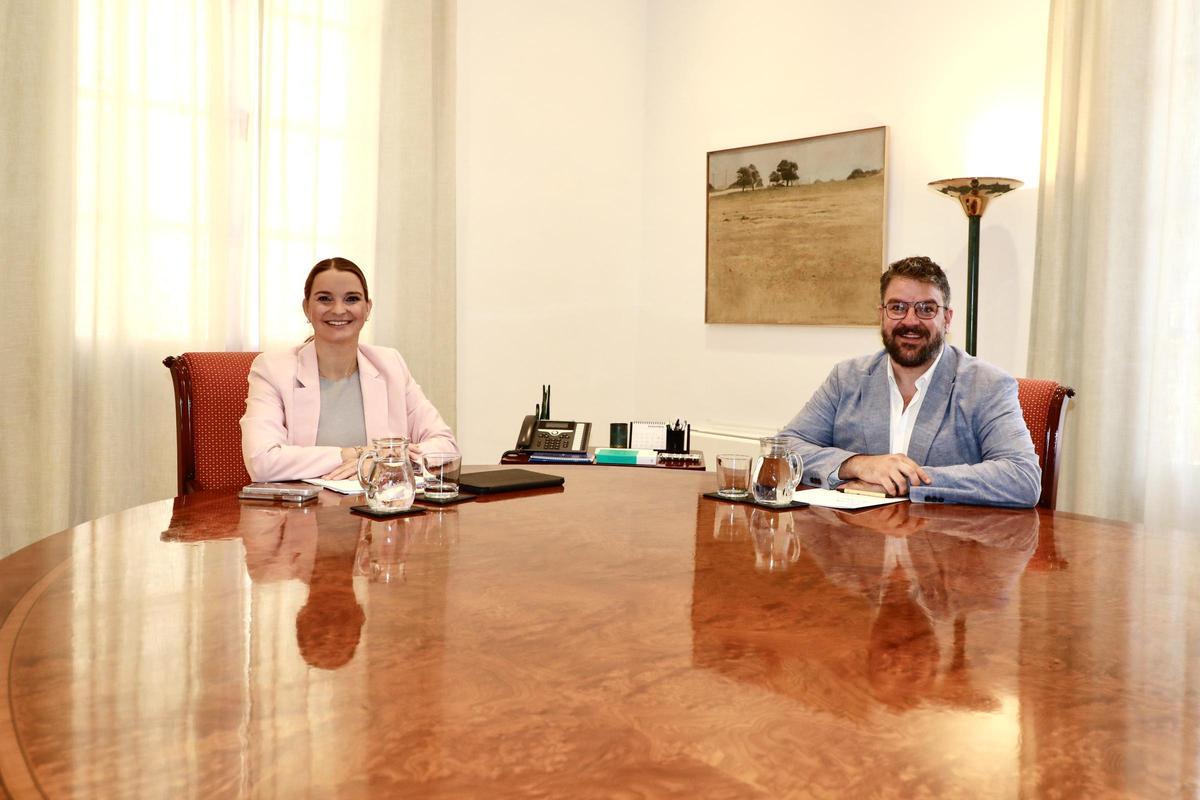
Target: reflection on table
<point>621,636</point>
<point>906,577</point>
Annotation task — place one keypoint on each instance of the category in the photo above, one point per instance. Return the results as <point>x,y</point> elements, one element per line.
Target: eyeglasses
<point>898,309</point>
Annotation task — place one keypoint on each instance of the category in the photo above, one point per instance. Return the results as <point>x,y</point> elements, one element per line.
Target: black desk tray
<point>367,511</point>
<point>749,500</point>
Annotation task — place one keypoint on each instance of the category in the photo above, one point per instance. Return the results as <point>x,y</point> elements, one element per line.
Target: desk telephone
<point>553,435</point>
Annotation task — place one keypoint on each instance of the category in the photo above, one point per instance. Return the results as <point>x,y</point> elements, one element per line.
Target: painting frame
<point>804,245</point>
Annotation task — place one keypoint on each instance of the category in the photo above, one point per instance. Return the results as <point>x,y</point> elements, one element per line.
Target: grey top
<point>342,423</point>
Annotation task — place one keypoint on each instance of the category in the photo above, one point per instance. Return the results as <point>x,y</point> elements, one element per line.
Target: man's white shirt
<point>904,419</point>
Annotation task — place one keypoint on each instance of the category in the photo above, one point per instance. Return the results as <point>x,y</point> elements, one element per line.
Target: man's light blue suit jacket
<point>969,435</point>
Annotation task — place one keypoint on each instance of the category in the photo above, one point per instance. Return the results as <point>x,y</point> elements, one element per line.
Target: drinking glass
<point>733,475</point>
<point>442,472</point>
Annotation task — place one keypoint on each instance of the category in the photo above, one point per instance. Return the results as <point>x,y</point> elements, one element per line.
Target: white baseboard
<point>713,439</point>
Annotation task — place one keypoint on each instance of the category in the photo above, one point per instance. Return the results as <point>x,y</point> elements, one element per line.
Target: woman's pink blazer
<point>283,407</point>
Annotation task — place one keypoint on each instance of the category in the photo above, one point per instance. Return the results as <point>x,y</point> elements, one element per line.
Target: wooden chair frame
<point>1052,447</point>
<point>184,436</point>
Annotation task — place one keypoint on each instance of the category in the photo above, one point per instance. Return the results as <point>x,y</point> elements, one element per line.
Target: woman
<point>312,408</point>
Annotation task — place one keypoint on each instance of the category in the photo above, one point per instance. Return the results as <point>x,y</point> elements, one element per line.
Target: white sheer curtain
<point>172,169</point>
<point>1117,294</point>
<point>222,148</point>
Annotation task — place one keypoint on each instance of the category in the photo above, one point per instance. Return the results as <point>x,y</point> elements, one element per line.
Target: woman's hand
<point>414,456</point>
<point>348,468</point>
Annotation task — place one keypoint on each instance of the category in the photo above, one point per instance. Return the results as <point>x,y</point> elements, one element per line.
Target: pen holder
<point>676,440</point>
<point>618,434</point>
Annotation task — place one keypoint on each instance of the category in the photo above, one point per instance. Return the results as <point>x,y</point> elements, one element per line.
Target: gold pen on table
<point>864,493</point>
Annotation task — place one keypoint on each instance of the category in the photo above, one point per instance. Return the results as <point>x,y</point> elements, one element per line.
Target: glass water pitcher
<point>389,480</point>
<point>776,472</point>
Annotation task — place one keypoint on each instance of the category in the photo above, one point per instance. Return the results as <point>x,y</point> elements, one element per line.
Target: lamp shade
<point>974,193</point>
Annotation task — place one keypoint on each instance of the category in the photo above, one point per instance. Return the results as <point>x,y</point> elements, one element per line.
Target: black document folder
<point>506,480</point>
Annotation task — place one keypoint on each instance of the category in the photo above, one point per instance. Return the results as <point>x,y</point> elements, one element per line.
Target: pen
<point>864,493</point>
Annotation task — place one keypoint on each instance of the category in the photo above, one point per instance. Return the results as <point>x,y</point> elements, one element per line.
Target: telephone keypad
<point>554,440</point>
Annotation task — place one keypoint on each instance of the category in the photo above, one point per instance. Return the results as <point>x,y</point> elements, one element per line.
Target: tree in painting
<point>788,171</point>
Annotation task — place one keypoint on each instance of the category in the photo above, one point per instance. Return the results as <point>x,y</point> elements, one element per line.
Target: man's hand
<point>894,472</point>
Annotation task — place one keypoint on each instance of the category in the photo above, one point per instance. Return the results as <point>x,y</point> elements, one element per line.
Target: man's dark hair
<point>917,268</point>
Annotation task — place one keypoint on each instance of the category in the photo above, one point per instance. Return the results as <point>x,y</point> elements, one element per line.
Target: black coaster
<point>461,497</point>
<point>367,511</point>
<point>749,500</point>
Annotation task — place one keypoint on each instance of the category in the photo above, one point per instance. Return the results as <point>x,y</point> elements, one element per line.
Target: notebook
<point>830,498</point>
<point>347,486</point>
<point>506,480</point>
<point>352,486</point>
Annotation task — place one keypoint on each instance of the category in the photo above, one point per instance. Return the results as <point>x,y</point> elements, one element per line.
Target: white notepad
<point>347,486</point>
<point>352,486</point>
<point>828,498</point>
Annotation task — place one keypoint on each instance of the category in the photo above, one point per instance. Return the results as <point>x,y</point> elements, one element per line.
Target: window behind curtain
<point>222,148</point>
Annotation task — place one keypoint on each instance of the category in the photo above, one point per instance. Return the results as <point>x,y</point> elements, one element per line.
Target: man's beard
<point>912,358</point>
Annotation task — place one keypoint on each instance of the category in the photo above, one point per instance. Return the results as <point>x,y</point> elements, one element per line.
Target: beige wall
<point>549,190</point>
<point>582,133</point>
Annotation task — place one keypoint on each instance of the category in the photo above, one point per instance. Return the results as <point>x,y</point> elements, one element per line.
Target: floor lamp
<point>974,194</point>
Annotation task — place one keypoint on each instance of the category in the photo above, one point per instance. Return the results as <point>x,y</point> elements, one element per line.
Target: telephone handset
<point>553,435</point>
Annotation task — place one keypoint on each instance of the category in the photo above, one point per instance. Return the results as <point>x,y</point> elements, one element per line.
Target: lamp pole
<point>973,194</point>
<point>972,279</point>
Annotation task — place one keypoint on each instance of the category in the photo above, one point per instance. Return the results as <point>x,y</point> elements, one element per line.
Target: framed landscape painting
<point>796,230</point>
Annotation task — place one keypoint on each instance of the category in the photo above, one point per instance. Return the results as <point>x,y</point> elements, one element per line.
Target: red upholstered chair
<point>1044,404</point>
<point>210,398</point>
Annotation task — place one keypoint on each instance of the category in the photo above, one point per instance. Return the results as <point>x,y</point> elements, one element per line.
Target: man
<point>918,418</point>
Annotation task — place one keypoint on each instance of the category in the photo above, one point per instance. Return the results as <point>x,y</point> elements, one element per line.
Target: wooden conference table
<point>620,638</point>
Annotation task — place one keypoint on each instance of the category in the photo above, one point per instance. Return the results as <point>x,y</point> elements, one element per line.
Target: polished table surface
<point>620,637</point>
